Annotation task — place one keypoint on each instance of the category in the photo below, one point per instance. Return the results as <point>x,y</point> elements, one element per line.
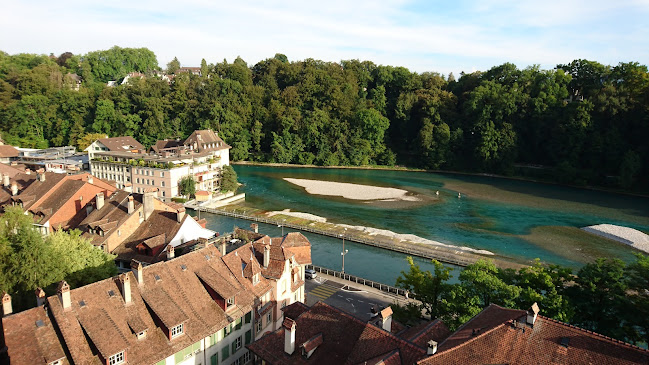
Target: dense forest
<point>580,123</point>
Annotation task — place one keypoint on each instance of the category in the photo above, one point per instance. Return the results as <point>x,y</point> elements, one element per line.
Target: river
<point>517,220</point>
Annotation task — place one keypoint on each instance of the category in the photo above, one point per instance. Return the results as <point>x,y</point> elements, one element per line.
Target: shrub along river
<point>516,220</point>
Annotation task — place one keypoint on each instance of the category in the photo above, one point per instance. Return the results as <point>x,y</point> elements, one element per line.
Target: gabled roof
<point>434,330</point>
<point>292,245</point>
<point>205,140</point>
<point>171,293</point>
<point>345,340</point>
<point>166,144</point>
<point>122,144</point>
<point>8,151</point>
<point>31,339</point>
<point>11,171</point>
<point>505,338</point>
<point>110,217</point>
<point>235,262</point>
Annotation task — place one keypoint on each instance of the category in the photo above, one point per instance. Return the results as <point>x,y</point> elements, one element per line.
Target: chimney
<point>180,214</point>
<point>91,180</point>
<point>289,335</point>
<point>125,283</point>
<point>131,205</point>
<point>6,304</point>
<point>14,189</point>
<point>40,297</point>
<point>532,313</point>
<point>64,294</point>
<point>100,200</point>
<point>266,256</point>
<point>41,177</point>
<point>386,319</point>
<point>148,202</point>
<point>136,266</point>
<point>170,252</point>
<point>254,227</point>
<point>432,347</point>
<point>5,181</point>
<point>222,247</point>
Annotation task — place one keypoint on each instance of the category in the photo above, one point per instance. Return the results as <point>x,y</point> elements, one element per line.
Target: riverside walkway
<point>458,259</point>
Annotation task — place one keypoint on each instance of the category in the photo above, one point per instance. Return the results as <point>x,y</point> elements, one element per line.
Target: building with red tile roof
<point>195,308</point>
<point>8,153</point>
<point>323,334</point>
<point>55,200</point>
<point>202,156</point>
<point>282,261</point>
<point>500,335</point>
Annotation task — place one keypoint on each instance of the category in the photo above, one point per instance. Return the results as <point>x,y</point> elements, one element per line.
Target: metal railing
<point>412,250</point>
<point>371,283</point>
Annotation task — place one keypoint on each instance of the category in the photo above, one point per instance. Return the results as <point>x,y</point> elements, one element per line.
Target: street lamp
<point>344,252</point>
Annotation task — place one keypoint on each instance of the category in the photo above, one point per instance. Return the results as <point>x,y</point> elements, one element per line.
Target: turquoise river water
<point>506,217</point>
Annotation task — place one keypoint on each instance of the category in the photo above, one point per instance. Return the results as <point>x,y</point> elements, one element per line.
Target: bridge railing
<point>362,281</point>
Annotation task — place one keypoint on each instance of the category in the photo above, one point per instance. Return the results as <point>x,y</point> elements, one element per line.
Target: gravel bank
<point>629,236</point>
<point>352,191</point>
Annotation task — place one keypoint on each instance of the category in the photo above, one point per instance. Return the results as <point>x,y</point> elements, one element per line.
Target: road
<point>353,301</point>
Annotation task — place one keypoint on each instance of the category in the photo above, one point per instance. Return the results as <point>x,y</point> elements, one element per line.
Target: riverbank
<point>626,235</point>
<point>352,191</point>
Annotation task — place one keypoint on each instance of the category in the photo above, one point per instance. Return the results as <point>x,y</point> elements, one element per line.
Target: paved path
<point>355,299</point>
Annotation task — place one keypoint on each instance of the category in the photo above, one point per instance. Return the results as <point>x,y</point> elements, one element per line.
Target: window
<point>259,326</point>
<point>237,324</point>
<point>162,183</point>
<point>237,362</point>
<point>236,345</point>
<point>225,353</point>
<point>248,336</point>
<point>177,331</point>
<point>230,302</point>
<point>227,330</point>
<point>248,317</point>
<point>137,180</point>
<point>162,174</point>
<point>118,358</point>
<point>163,193</point>
<point>246,357</point>
<point>214,359</point>
<point>269,317</point>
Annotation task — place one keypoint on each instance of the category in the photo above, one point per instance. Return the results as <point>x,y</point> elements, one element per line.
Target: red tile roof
<point>512,341</point>
<point>171,293</point>
<point>122,144</point>
<point>31,338</point>
<point>8,151</point>
<point>345,340</point>
<point>421,334</point>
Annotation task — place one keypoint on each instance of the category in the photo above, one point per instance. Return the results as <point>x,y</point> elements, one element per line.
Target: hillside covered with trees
<point>581,123</point>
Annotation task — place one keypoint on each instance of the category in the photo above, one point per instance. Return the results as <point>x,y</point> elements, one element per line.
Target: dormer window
<point>141,335</point>
<point>230,302</point>
<point>177,330</point>
<point>118,358</point>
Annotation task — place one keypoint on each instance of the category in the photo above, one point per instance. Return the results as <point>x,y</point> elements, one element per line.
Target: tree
<point>637,275</point>
<point>28,260</point>
<point>187,186</point>
<point>481,281</point>
<point>86,140</point>
<point>426,286</point>
<point>229,179</point>
<point>173,66</point>
<point>599,298</point>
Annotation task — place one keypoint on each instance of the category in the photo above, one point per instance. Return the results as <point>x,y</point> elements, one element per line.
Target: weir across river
<point>408,249</point>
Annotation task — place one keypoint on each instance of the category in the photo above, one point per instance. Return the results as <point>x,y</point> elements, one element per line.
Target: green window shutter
<point>214,360</point>
<point>248,336</point>
<point>248,317</point>
<point>161,362</point>
<point>196,346</point>
<point>225,353</point>
<point>180,356</point>
<point>238,324</point>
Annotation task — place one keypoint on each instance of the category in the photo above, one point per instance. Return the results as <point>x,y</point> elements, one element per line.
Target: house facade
<point>202,156</point>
